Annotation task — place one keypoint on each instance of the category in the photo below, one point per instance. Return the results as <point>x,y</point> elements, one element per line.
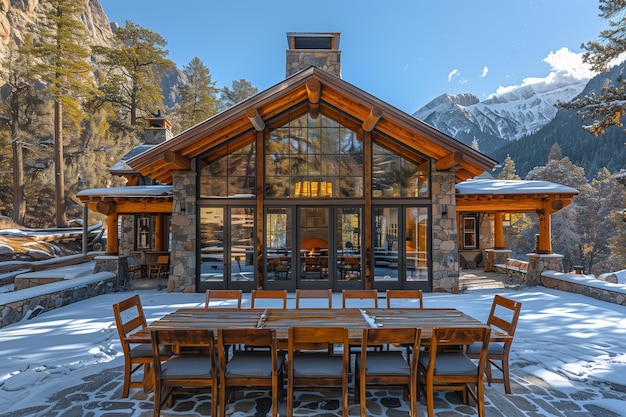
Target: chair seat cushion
<point>144,350</point>
<point>315,365</point>
<point>450,363</point>
<point>187,366</point>
<point>492,349</point>
<point>385,363</point>
<point>252,364</point>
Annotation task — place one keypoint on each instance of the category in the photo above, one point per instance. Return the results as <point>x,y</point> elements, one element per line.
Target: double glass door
<point>313,247</point>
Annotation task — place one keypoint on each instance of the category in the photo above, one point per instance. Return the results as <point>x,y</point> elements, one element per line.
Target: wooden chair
<point>160,269</point>
<point>317,370</point>
<point>326,295</point>
<point>229,298</point>
<point>503,317</point>
<point>256,368</point>
<point>359,295</point>
<point>410,297</point>
<point>186,370</point>
<point>129,318</point>
<point>268,294</point>
<point>387,369</point>
<point>454,370</point>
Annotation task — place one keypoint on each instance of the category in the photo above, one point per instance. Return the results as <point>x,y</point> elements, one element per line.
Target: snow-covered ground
<point>566,340</point>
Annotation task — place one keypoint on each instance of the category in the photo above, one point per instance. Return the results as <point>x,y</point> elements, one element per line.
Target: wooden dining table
<point>282,319</point>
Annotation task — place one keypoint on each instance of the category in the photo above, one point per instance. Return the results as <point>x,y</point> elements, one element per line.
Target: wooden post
<point>545,244</point>
<point>112,237</point>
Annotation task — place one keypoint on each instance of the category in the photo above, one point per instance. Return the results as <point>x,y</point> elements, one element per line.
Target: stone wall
<point>328,60</point>
<point>445,236</point>
<point>184,226</point>
<point>582,284</point>
<point>17,305</point>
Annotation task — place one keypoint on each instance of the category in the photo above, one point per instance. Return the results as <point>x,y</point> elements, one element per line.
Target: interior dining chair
<point>160,269</point>
<point>360,295</point>
<point>325,296</point>
<point>130,318</point>
<point>280,295</point>
<point>317,370</point>
<point>453,370</point>
<point>247,369</point>
<point>502,317</point>
<point>387,369</point>
<point>228,298</point>
<point>197,370</point>
<point>408,298</point>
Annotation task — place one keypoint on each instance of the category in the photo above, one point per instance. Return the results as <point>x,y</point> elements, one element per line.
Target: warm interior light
<point>313,189</point>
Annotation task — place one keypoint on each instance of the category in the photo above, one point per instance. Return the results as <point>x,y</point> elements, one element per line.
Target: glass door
<point>349,234</point>
<point>314,247</point>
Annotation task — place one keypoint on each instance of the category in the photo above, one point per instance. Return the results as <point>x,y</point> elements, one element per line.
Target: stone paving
<point>100,395</point>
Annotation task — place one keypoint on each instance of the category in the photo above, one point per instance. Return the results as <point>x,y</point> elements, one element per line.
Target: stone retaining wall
<point>582,284</point>
<point>16,305</point>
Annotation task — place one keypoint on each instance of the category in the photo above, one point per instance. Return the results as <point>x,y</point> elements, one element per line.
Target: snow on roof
<point>129,191</point>
<point>495,186</point>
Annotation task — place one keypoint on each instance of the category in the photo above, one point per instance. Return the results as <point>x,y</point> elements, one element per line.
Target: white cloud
<point>454,73</point>
<point>563,64</point>
<point>485,71</point>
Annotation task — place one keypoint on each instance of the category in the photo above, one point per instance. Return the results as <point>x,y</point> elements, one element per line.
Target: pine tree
<point>133,71</point>
<point>62,48</point>
<point>198,95</point>
<point>508,170</point>
<point>608,108</point>
<point>475,144</point>
<point>239,91</point>
<point>18,106</point>
<point>555,152</point>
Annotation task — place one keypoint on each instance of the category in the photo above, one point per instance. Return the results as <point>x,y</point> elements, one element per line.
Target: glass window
<point>212,244</point>
<point>394,176</point>
<point>469,232</point>
<point>313,158</point>
<point>231,175</point>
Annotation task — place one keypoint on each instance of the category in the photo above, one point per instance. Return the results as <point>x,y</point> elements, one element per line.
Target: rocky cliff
<point>17,15</point>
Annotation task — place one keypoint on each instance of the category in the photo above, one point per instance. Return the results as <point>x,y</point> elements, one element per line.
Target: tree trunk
<point>59,166</point>
<point>19,204</point>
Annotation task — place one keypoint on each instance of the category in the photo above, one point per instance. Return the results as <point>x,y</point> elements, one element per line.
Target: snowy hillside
<point>509,114</point>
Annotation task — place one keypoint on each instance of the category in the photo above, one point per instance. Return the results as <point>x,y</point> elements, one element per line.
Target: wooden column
<point>112,237</point>
<point>545,244</point>
<point>159,241</point>
<point>366,240</point>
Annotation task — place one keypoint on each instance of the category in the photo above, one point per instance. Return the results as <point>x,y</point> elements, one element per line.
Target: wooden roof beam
<point>176,159</point>
<point>450,160</point>
<point>313,90</point>
<point>255,119</point>
<point>370,121</point>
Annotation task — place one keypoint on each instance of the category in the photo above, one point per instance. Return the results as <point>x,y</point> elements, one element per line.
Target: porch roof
<point>494,195</point>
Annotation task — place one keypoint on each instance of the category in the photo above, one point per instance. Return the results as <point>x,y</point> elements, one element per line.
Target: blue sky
<point>406,52</point>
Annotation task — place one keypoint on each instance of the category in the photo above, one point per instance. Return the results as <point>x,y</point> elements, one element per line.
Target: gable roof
<point>311,85</point>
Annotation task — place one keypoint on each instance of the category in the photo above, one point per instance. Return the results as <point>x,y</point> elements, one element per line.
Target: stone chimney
<point>318,49</point>
<point>159,130</point>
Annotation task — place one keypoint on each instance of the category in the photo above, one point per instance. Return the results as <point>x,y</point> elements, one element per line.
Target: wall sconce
<point>444,210</point>
<point>183,210</point>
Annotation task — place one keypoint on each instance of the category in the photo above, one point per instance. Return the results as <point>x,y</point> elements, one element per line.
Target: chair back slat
<point>223,295</point>
<point>359,295</point>
<point>410,297</point>
<point>280,295</point>
<point>504,314</point>
<point>325,294</point>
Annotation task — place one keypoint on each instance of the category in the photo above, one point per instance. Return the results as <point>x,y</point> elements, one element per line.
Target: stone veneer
<point>328,60</point>
<point>16,305</point>
<point>445,237</point>
<point>588,286</point>
<point>184,228</point>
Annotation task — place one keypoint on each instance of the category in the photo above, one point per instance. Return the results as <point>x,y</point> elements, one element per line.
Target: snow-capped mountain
<point>510,114</point>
